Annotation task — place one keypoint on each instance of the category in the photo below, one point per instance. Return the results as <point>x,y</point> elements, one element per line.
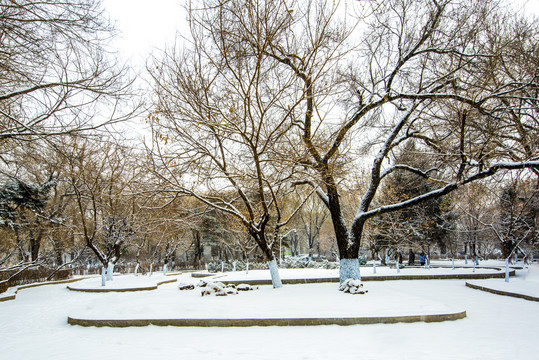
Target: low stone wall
<point>7,297</point>
<point>378,278</point>
<point>500,292</point>
<point>22,287</point>
<point>268,322</point>
<point>105,289</point>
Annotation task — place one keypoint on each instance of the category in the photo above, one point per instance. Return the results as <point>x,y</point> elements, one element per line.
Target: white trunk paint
<point>103,276</point>
<point>274,271</point>
<point>110,271</point>
<point>349,269</point>
<point>136,269</point>
<point>374,267</point>
<point>506,270</point>
<point>165,268</point>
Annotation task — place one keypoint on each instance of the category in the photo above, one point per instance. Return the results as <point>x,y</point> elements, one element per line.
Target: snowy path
<point>497,327</point>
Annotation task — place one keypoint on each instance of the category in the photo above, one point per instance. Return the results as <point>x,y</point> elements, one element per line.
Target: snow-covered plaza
<point>34,325</point>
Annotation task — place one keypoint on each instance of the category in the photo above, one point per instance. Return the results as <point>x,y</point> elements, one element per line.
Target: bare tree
<point>312,217</point>
<point>475,211</point>
<point>408,72</point>
<point>220,121</point>
<point>56,75</point>
<point>99,175</point>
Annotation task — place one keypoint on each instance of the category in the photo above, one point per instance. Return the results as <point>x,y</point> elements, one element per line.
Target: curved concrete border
<point>201,274</point>
<point>377,278</point>
<point>500,292</point>
<point>7,297</point>
<point>105,290</point>
<point>22,287</point>
<point>268,322</point>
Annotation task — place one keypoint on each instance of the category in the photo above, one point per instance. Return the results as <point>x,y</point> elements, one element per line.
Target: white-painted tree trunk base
<point>136,269</point>
<point>274,271</point>
<point>349,269</point>
<point>165,268</point>
<point>110,271</point>
<point>103,276</point>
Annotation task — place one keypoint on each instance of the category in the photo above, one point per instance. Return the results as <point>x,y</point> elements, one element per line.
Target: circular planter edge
<point>267,321</point>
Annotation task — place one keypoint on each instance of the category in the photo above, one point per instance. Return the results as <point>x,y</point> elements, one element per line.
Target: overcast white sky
<point>147,25</point>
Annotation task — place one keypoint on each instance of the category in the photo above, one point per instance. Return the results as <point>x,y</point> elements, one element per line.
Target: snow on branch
<point>363,215</point>
<point>423,174</point>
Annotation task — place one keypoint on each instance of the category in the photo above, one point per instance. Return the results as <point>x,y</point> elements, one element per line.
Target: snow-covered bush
<point>305,263</point>
<point>353,287</point>
<point>218,289</point>
<point>184,286</point>
<point>288,263</point>
<point>246,287</point>
<point>215,267</point>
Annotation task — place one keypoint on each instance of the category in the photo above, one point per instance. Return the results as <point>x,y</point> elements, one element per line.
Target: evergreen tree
<point>21,210</point>
<point>519,206</point>
<point>419,227</point>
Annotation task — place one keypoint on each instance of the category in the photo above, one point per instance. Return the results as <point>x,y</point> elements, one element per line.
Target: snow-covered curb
<point>11,293</point>
<point>342,321</point>
<point>289,276</point>
<point>495,289</point>
<point>122,284</point>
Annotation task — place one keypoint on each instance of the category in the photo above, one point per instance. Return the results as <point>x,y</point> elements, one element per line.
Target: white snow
<point>122,282</point>
<point>34,325</point>
<point>526,283</point>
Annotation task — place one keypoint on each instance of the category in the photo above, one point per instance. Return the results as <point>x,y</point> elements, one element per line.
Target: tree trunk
<point>507,248</point>
<point>272,264</point>
<point>35,244</point>
<point>110,271</point>
<point>347,243</point>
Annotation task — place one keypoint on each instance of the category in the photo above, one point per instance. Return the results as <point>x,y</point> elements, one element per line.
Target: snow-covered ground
<point>121,282</point>
<point>34,325</point>
<point>526,283</point>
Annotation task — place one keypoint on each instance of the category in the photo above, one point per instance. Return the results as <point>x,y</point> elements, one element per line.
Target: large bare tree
<point>99,176</point>
<point>220,120</point>
<point>407,70</point>
<point>57,76</point>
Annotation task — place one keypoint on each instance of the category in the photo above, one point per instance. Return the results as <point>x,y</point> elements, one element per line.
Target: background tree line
<point>350,127</point>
